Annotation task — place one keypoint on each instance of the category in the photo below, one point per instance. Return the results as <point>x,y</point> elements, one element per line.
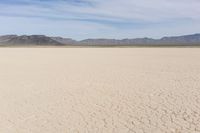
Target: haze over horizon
<point>82,19</point>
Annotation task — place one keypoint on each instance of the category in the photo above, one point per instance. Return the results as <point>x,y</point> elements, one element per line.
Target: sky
<point>82,19</point>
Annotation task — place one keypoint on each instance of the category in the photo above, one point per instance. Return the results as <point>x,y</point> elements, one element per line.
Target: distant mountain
<point>64,40</point>
<point>59,41</point>
<point>6,38</point>
<point>187,39</point>
<point>176,40</point>
<point>28,40</point>
<point>137,41</point>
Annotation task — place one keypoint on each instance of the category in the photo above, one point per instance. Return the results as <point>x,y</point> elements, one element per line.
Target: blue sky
<point>81,19</point>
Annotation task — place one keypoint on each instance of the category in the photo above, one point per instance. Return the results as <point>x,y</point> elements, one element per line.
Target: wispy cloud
<point>100,18</point>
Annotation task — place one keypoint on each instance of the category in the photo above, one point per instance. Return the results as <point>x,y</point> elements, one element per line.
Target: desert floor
<point>99,90</point>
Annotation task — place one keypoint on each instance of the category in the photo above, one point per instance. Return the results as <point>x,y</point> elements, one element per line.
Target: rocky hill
<point>43,40</point>
<point>28,40</point>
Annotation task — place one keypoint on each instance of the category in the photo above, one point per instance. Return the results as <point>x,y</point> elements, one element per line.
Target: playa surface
<point>99,90</point>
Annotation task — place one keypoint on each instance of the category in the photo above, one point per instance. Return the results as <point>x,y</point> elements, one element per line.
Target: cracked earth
<point>99,90</point>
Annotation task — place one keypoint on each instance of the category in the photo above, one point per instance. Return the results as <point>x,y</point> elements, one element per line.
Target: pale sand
<point>99,90</point>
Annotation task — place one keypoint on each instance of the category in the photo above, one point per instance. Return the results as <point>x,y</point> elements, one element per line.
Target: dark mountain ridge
<point>28,40</point>
<point>41,40</point>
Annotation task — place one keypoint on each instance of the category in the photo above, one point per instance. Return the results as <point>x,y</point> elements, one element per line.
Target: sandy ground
<point>99,90</point>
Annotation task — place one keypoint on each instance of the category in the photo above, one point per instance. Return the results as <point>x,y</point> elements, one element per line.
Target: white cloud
<point>102,18</point>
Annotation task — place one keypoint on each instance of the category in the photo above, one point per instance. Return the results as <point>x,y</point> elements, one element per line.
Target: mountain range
<point>42,40</point>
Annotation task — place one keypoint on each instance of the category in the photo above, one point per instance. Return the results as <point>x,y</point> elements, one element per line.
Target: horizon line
<point>97,38</point>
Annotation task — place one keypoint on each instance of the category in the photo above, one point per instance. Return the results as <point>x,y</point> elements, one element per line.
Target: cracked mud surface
<point>98,90</point>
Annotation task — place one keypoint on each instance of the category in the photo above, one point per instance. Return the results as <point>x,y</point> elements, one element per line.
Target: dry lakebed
<point>99,90</point>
